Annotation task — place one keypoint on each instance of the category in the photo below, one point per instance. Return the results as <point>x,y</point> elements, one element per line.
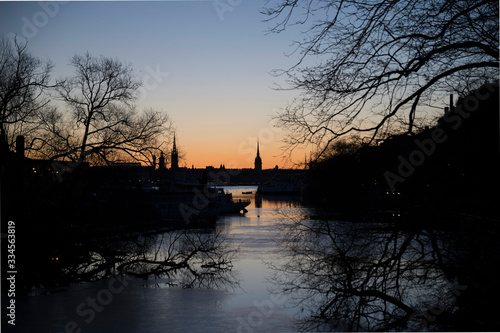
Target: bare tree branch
<point>104,120</point>
<point>363,63</point>
<point>23,81</point>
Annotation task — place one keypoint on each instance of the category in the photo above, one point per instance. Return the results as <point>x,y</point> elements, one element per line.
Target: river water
<point>274,269</point>
<point>244,304</point>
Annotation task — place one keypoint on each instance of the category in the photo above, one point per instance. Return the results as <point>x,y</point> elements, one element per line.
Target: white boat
<point>199,201</point>
<point>225,203</point>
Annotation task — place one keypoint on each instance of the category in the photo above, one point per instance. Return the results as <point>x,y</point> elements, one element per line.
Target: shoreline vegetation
<point>406,184</point>
<point>455,178</point>
<point>392,225</point>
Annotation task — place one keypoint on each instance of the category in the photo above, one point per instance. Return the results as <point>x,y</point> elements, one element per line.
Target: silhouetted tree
<point>336,175</point>
<point>23,81</point>
<point>364,63</point>
<point>350,276</point>
<point>184,258</point>
<point>104,121</point>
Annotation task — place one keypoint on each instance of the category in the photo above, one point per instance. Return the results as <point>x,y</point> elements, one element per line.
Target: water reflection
<point>186,258</point>
<point>361,277</point>
<point>333,275</point>
<point>277,201</point>
<point>258,201</point>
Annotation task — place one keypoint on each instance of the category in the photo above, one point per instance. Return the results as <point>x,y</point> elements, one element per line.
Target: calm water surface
<point>333,275</point>
<point>150,306</point>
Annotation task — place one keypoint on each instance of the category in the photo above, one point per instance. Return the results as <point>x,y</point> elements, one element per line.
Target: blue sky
<point>208,69</point>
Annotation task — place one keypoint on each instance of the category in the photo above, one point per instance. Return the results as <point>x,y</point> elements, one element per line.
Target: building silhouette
<point>258,160</point>
<point>161,165</point>
<point>174,157</point>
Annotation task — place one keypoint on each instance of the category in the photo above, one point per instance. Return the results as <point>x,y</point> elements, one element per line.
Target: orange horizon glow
<point>231,139</point>
<point>235,156</point>
<point>211,77</point>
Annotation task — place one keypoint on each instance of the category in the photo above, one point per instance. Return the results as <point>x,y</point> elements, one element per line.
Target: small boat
<point>225,203</point>
<point>198,202</point>
<point>247,192</point>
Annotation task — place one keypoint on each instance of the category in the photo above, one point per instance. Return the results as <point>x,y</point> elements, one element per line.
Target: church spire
<point>258,160</point>
<point>174,157</point>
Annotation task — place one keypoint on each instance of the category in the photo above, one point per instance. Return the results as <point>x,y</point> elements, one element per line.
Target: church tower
<point>162,162</point>
<point>258,160</point>
<point>174,157</point>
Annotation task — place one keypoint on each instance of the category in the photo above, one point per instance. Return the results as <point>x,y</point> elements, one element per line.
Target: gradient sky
<point>212,67</point>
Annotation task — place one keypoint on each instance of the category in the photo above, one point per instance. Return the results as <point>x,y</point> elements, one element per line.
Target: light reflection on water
<point>151,306</point>
<point>331,275</point>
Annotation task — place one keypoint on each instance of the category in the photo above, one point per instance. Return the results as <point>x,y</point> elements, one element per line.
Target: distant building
<point>258,160</point>
<point>128,165</point>
<point>161,165</point>
<point>174,158</point>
